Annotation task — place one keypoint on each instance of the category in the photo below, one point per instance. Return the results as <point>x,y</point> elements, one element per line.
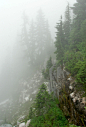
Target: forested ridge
<point>70,52</point>
<point>36,39</point>
<point>69,49</point>
<point>71,41</point>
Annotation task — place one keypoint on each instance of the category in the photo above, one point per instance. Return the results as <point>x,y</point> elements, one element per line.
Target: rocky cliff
<point>69,93</point>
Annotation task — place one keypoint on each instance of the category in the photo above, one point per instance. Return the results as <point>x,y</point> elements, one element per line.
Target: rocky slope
<point>12,110</point>
<point>70,94</point>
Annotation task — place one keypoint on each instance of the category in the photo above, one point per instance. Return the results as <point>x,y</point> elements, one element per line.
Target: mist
<point>11,51</point>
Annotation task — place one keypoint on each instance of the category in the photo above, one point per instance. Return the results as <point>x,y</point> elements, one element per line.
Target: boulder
<point>84,100</point>
<point>22,125</point>
<point>28,122</point>
<point>71,87</point>
<point>72,95</point>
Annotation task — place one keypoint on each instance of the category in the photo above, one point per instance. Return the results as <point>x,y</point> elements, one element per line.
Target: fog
<point>11,20</point>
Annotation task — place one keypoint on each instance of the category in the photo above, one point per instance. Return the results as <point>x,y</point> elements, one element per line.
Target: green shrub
<point>47,113</point>
<point>53,118</point>
<point>45,71</point>
<point>75,62</point>
<point>81,75</point>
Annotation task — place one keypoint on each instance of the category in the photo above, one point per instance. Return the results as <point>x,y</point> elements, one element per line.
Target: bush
<point>81,75</point>
<point>47,113</point>
<point>45,72</point>
<point>75,62</point>
<point>53,118</point>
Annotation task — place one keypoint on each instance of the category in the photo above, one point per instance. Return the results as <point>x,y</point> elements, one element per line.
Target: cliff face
<point>58,79</point>
<point>70,97</point>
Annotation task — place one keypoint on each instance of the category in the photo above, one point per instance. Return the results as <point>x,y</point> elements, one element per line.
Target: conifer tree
<point>30,113</point>
<point>36,39</point>
<point>75,56</point>
<point>43,38</point>
<point>60,42</point>
<point>48,40</point>
<point>67,24</point>
<point>40,30</point>
<point>79,10</point>
<point>32,43</point>
<point>45,71</point>
<point>41,99</point>
<point>24,35</point>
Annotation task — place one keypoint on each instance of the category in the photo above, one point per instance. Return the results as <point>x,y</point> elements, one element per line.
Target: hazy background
<point>11,12</point>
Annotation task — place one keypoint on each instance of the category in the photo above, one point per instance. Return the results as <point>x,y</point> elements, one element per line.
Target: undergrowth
<point>45,111</point>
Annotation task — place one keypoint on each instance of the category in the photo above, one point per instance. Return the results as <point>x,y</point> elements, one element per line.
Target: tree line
<point>71,41</point>
<point>36,39</point>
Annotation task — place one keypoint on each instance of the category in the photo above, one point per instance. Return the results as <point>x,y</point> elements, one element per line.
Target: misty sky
<point>11,18</point>
<point>11,15</point>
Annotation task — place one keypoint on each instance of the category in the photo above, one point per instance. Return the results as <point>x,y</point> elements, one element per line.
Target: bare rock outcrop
<point>63,84</point>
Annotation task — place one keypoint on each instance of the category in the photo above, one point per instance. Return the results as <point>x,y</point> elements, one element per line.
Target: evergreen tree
<point>36,40</point>
<point>49,63</point>
<point>60,42</point>
<point>79,10</point>
<point>32,44</point>
<point>48,40</point>
<point>24,35</point>
<point>75,56</point>
<point>41,99</point>
<point>45,71</point>
<point>43,38</point>
<point>47,112</point>
<point>30,113</point>
<point>40,31</point>
<point>67,25</point>
<point>83,31</point>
